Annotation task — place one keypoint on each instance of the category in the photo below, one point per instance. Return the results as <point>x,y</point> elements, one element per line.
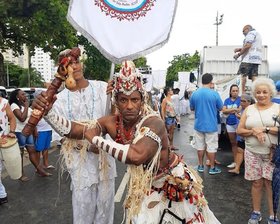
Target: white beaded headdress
<point>129,79</point>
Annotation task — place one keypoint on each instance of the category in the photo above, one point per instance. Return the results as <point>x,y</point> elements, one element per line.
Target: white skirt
<point>184,210</point>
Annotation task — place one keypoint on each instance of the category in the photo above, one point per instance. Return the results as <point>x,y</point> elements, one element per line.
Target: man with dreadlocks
<point>162,188</point>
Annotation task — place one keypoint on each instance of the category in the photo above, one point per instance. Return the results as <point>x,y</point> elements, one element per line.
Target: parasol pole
<point>108,102</point>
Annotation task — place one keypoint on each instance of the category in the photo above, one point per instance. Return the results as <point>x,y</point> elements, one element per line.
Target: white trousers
<point>95,204</point>
<point>3,192</point>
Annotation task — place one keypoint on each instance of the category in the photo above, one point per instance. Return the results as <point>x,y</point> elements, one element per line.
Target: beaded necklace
<point>70,116</point>
<point>124,136</point>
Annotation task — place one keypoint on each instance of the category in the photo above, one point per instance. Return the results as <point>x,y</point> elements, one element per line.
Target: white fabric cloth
<point>185,106</point>
<point>254,55</point>
<point>119,28</point>
<point>184,209</point>
<point>3,117</point>
<point>3,192</point>
<point>20,125</point>
<point>89,103</point>
<point>4,126</point>
<point>176,103</point>
<point>89,202</point>
<point>43,126</point>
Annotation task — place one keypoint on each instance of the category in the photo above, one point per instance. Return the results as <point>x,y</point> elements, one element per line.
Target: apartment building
<point>41,61</point>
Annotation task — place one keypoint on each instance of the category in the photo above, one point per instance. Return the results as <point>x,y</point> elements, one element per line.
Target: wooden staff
<point>64,72</point>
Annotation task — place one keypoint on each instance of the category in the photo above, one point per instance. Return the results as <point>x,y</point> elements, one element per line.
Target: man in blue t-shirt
<point>206,102</point>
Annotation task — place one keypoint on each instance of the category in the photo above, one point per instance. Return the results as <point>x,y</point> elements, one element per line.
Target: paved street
<point>48,200</point>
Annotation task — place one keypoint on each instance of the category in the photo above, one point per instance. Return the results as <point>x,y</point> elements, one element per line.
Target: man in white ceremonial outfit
<point>92,187</point>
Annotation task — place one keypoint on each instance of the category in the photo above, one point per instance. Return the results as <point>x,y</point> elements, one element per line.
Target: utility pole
<point>8,81</point>
<point>218,22</point>
<point>29,64</point>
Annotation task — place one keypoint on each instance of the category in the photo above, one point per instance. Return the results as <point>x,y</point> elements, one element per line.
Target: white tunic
<point>89,103</point>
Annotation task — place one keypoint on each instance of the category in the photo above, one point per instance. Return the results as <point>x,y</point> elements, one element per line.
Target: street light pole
<point>217,23</point>
<point>8,81</point>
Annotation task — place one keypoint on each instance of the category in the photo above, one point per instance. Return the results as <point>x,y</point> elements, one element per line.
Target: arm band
<point>147,132</point>
<point>108,146</point>
<point>60,124</point>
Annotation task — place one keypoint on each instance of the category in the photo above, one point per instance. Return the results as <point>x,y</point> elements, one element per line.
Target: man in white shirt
<point>251,54</point>
<point>92,188</point>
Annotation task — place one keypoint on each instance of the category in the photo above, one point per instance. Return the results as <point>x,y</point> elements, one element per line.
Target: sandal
<point>42,173</point>
<point>24,178</point>
<point>45,174</point>
<point>50,167</point>
<point>234,172</point>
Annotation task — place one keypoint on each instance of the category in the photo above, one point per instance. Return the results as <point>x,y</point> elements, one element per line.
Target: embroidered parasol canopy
<point>123,29</point>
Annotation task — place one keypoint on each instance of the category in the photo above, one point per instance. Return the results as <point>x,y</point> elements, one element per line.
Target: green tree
<point>96,65</point>
<point>14,72</point>
<point>18,76</point>
<point>181,63</point>
<point>36,80</point>
<point>34,23</point>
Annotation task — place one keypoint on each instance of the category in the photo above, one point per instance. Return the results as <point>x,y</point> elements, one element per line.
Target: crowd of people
<point>162,188</point>
<point>15,113</point>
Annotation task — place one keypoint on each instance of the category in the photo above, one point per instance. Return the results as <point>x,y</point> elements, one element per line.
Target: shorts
<point>43,140</point>
<point>258,166</point>
<point>248,69</point>
<point>170,121</point>
<point>205,140</point>
<point>231,128</point>
<point>241,144</point>
<point>24,140</point>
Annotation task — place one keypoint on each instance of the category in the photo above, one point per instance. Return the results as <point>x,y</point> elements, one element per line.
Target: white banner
<point>184,77</point>
<point>223,86</point>
<point>123,29</point>
<point>159,78</point>
<point>149,82</point>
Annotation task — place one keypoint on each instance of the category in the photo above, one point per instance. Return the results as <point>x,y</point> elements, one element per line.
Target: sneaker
<point>271,221</point>
<point>214,170</point>
<point>255,218</point>
<point>232,165</point>
<point>200,168</point>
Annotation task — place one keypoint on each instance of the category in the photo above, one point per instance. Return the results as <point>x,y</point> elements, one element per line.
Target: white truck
<point>219,61</point>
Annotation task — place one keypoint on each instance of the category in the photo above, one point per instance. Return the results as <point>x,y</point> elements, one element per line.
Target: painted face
<point>263,94</point>
<point>77,70</point>
<point>234,91</point>
<point>129,106</point>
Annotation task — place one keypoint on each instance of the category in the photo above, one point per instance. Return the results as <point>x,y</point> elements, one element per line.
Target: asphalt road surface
<point>48,200</point>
